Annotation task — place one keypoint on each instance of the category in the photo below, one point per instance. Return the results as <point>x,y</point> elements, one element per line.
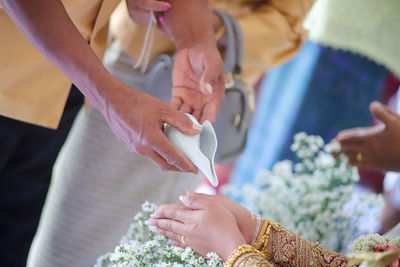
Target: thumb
<point>194,202</point>
<point>183,123</point>
<point>211,76</point>
<point>382,113</point>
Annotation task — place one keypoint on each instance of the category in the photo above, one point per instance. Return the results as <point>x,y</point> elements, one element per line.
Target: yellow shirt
<point>272,32</point>
<point>31,88</point>
<point>34,91</point>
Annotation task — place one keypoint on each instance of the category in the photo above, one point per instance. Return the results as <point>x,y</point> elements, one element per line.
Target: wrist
<point>106,91</point>
<point>232,246</point>
<point>216,22</point>
<point>249,228</point>
<point>190,22</point>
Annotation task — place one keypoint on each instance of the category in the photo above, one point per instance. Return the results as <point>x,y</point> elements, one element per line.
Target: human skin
<point>136,118</point>
<point>379,145</point>
<point>207,226</point>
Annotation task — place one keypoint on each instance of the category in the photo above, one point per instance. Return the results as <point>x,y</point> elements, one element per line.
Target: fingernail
<point>151,222</point>
<point>161,20</point>
<point>209,88</point>
<point>167,8</point>
<point>181,198</point>
<point>196,126</point>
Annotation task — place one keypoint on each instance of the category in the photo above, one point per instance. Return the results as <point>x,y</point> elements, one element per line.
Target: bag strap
<point>234,46</point>
<point>239,45</point>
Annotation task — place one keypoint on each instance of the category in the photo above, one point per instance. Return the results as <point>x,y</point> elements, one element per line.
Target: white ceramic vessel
<point>199,149</point>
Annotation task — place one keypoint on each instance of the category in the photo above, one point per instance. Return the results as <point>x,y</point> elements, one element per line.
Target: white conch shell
<point>199,149</point>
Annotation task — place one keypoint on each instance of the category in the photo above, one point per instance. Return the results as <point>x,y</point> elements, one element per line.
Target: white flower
<point>149,207</point>
<point>316,200</point>
<point>332,148</point>
<point>142,247</point>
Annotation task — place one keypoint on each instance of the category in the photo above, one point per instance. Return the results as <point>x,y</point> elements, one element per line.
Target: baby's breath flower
<point>315,199</point>
<point>142,247</point>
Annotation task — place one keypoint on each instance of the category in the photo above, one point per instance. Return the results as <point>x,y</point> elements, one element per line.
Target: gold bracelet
<point>264,250</point>
<point>262,240</point>
<point>243,249</point>
<point>261,235</point>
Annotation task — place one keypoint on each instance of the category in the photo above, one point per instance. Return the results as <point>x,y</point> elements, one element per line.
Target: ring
<point>359,157</point>
<point>183,240</point>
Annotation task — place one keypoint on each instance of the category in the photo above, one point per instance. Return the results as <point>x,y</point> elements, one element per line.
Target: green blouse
<point>367,27</point>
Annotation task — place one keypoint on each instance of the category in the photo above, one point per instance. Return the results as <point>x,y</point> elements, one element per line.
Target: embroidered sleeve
<point>247,256</point>
<point>288,249</point>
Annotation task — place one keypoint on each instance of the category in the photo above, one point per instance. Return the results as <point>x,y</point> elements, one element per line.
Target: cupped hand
<point>137,119</point>
<point>206,226</point>
<point>198,81</point>
<point>376,147</point>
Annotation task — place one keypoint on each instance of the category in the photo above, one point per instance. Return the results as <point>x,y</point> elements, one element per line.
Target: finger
<point>175,237</point>
<point>195,201</point>
<point>197,114</point>
<point>189,95</point>
<point>352,147</point>
<point>176,243</point>
<point>172,155</point>
<point>186,108</point>
<point>356,135</point>
<point>162,163</point>
<point>364,162</point>
<point>383,113</point>
<point>153,5</point>
<point>176,102</point>
<point>210,112</point>
<point>156,158</point>
<point>212,75</point>
<point>177,212</point>
<point>168,225</point>
<point>181,122</point>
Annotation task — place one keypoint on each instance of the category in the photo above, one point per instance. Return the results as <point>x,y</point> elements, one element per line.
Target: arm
<point>212,224</point>
<point>135,118</point>
<point>198,75</point>
<point>247,256</point>
<point>285,248</point>
<point>198,78</point>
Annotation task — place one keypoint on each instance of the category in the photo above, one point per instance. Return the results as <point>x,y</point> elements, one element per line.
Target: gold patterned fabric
<point>288,249</point>
<point>248,256</point>
<point>281,247</point>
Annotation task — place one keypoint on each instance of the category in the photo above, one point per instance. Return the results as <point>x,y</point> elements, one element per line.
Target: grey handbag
<point>235,111</point>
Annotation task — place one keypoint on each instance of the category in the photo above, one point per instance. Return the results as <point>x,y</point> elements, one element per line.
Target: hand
<point>244,219</point>
<point>198,82</point>
<point>206,226</point>
<point>139,10</point>
<point>379,145</point>
<point>137,120</point>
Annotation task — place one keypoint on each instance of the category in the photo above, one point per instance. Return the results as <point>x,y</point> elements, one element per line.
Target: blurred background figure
<point>328,86</point>
<point>378,147</point>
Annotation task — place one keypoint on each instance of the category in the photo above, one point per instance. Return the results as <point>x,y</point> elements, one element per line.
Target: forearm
<point>46,24</point>
<point>190,22</point>
<point>285,248</point>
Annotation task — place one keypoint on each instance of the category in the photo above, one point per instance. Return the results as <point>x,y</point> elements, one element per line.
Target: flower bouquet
<point>142,247</point>
<point>314,197</point>
<point>374,250</point>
